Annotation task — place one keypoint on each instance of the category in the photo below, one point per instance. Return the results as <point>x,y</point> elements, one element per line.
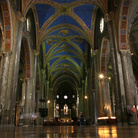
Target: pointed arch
<point>7,24</point>
<point>123,24</point>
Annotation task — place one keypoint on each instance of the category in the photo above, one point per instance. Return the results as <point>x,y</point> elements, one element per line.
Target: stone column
<point>96,86</point>
<point>50,105</point>
<point>12,93</point>
<point>38,105</point>
<point>130,89</point>
<point>101,98</point>
<point>106,97</point>
<point>27,102</point>
<point>47,90</point>
<point>80,107</point>
<point>118,104</point>
<point>4,81</point>
<point>34,82</point>
<point>42,86</point>
<point>23,92</point>
<point>77,105</point>
<point>86,111</point>
<point>82,95</point>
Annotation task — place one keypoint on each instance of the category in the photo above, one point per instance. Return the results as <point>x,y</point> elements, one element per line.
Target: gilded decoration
<point>7,25</point>
<point>123,24</point>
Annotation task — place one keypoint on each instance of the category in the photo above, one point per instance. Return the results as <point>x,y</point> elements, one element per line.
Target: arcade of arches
<point>62,57</point>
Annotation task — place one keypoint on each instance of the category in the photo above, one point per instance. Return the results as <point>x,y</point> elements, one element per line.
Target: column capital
<point>20,17</point>
<point>125,52</point>
<point>27,79</point>
<point>36,53</point>
<point>7,53</point>
<point>95,52</point>
<point>109,16</point>
<point>47,82</point>
<point>43,71</point>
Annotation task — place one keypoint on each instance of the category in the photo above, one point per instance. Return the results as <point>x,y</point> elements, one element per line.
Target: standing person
<point>134,114</point>
<point>81,118</point>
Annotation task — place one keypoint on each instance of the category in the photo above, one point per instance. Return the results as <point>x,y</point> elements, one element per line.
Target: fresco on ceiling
<point>85,13</point>
<point>65,53</point>
<point>80,42</point>
<point>51,62</point>
<point>64,32</point>
<point>65,62</point>
<point>49,43</point>
<point>77,60</point>
<point>64,46</point>
<point>44,12</point>
<point>64,1</point>
<point>64,19</point>
<point>62,69</point>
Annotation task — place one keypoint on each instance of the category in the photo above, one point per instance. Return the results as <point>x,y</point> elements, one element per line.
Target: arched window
<point>102,25</point>
<point>28,23</point>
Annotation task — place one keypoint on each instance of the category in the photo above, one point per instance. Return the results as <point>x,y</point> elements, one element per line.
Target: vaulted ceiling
<point>65,30</point>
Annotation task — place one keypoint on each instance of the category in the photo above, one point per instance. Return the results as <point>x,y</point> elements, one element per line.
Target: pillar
<point>96,86</point>
<point>4,81</point>
<point>12,93</point>
<point>101,98</point>
<point>118,104</point>
<point>39,120</point>
<point>130,89</point>
<point>27,102</point>
<point>23,92</point>
<point>106,97</point>
<point>34,82</point>
<point>80,107</point>
<point>47,90</point>
<point>42,87</point>
<point>129,81</point>
<point>77,105</point>
<point>50,105</point>
<point>86,112</point>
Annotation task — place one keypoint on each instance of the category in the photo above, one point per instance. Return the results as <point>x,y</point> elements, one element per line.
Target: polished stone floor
<point>70,132</point>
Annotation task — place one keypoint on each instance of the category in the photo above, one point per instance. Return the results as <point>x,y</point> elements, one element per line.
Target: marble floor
<point>70,132</point>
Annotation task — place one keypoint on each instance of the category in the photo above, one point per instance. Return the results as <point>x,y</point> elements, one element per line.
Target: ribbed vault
<point>65,30</point>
